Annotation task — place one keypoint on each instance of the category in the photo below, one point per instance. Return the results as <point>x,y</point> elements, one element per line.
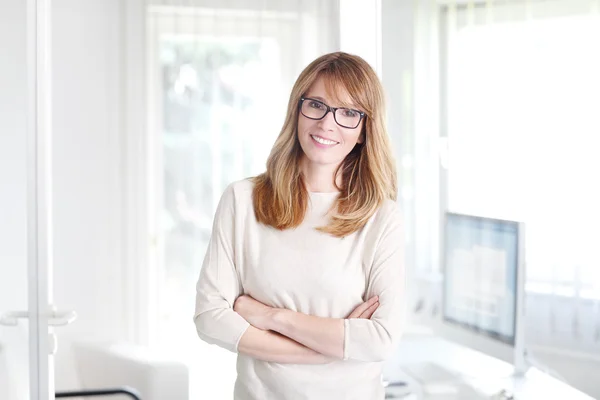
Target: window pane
<point>214,132</point>
<point>524,132</point>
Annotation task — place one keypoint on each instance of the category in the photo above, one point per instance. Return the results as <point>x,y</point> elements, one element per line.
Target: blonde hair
<point>368,173</point>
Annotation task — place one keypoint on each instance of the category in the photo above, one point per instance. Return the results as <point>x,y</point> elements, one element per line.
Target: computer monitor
<point>482,294</point>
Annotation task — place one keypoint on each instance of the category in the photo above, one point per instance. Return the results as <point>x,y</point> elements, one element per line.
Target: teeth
<point>323,141</point>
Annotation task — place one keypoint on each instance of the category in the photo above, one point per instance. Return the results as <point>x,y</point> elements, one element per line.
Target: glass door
<point>27,342</point>
<point>15,330</point>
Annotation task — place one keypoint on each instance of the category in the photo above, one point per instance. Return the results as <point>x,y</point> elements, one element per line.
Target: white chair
<point>118,365</point>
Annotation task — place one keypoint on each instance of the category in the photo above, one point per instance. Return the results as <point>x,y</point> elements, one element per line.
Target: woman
<point>303,276</point>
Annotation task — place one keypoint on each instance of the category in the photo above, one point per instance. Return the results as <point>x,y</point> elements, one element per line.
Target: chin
<point>319,159</point>
<point>320,156</point>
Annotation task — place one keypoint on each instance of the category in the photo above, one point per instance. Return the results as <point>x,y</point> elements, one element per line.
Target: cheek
<point>303,126</point>
<point>352,137</point>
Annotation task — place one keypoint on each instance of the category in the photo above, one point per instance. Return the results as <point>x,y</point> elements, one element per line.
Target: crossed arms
<point>284,336</point>
<point>226,317</point>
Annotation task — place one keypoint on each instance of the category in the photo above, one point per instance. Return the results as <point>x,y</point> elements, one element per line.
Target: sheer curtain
<point>219,77</point>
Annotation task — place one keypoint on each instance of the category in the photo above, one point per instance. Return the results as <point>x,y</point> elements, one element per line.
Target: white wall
<point>88,265</point>
<point>13,173</point>
<point>397,62</point>
<point>13,192</point>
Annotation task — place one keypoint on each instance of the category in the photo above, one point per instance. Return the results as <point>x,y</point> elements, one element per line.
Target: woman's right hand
<point>366,309</point>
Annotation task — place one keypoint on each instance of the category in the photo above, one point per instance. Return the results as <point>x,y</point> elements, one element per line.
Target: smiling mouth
<point>321,140</point>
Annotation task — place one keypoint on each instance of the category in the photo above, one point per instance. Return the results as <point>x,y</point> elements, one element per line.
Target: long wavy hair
<point>368,173</point>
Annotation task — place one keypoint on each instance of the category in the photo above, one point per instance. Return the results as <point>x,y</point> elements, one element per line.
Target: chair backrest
<point>109,365</point>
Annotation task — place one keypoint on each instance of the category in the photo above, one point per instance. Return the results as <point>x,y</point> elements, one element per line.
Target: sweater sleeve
<point>374,339</point>
<point>219,285</point>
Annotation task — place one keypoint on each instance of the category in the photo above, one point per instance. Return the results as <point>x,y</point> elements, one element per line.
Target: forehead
<point>332,91</point>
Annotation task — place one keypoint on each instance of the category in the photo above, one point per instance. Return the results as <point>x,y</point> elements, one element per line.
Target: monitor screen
<point>480,275</point>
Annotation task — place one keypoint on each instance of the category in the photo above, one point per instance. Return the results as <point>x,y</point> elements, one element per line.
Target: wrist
<point>276,319</point>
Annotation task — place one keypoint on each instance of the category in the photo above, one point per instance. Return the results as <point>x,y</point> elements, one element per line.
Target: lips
<point>324,141</point>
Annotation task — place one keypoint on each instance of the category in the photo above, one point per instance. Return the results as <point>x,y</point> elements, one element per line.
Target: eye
<point>346,112</point>
<point>316,104</point>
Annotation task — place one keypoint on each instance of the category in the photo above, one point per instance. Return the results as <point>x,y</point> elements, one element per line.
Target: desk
<point>485,373</point>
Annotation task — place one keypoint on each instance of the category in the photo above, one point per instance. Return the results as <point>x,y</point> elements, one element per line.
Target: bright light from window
<point>524,131</point>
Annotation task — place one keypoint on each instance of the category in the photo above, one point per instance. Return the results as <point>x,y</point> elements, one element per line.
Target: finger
<point>363,307</point>
<point>369,311</point>
<point>359,310</point>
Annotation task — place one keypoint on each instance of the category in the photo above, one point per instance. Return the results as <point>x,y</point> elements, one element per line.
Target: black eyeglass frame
<point>332,110</point>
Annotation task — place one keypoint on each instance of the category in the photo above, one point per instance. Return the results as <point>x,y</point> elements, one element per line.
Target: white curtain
<point>219,78</point>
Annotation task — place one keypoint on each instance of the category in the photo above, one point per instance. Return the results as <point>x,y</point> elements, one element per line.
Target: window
<point>219,122</point>
<point>219,84</point>
<point>522,92</point>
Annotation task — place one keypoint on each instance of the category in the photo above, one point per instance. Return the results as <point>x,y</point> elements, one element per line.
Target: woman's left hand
<point>256,313</point>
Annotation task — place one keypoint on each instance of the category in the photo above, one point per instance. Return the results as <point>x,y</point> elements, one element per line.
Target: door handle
<point>61,318</point>
<point>55,318</point>
<point>11,318</point>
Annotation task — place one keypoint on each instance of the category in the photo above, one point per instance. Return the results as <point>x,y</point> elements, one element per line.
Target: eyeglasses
<point>344,117</point>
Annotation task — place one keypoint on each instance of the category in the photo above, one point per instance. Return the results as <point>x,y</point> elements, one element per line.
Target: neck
<point>319,177</point>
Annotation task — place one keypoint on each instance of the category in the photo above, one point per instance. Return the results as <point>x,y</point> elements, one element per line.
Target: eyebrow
<point>350,106</point>
<point>316,98</point>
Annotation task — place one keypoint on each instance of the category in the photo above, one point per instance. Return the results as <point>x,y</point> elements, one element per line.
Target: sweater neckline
<point>323,193</point>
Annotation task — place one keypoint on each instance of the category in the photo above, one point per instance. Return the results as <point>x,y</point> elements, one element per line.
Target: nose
<point>328,121</point>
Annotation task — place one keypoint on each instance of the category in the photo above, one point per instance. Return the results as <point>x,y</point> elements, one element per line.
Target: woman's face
<point>323,141</point>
